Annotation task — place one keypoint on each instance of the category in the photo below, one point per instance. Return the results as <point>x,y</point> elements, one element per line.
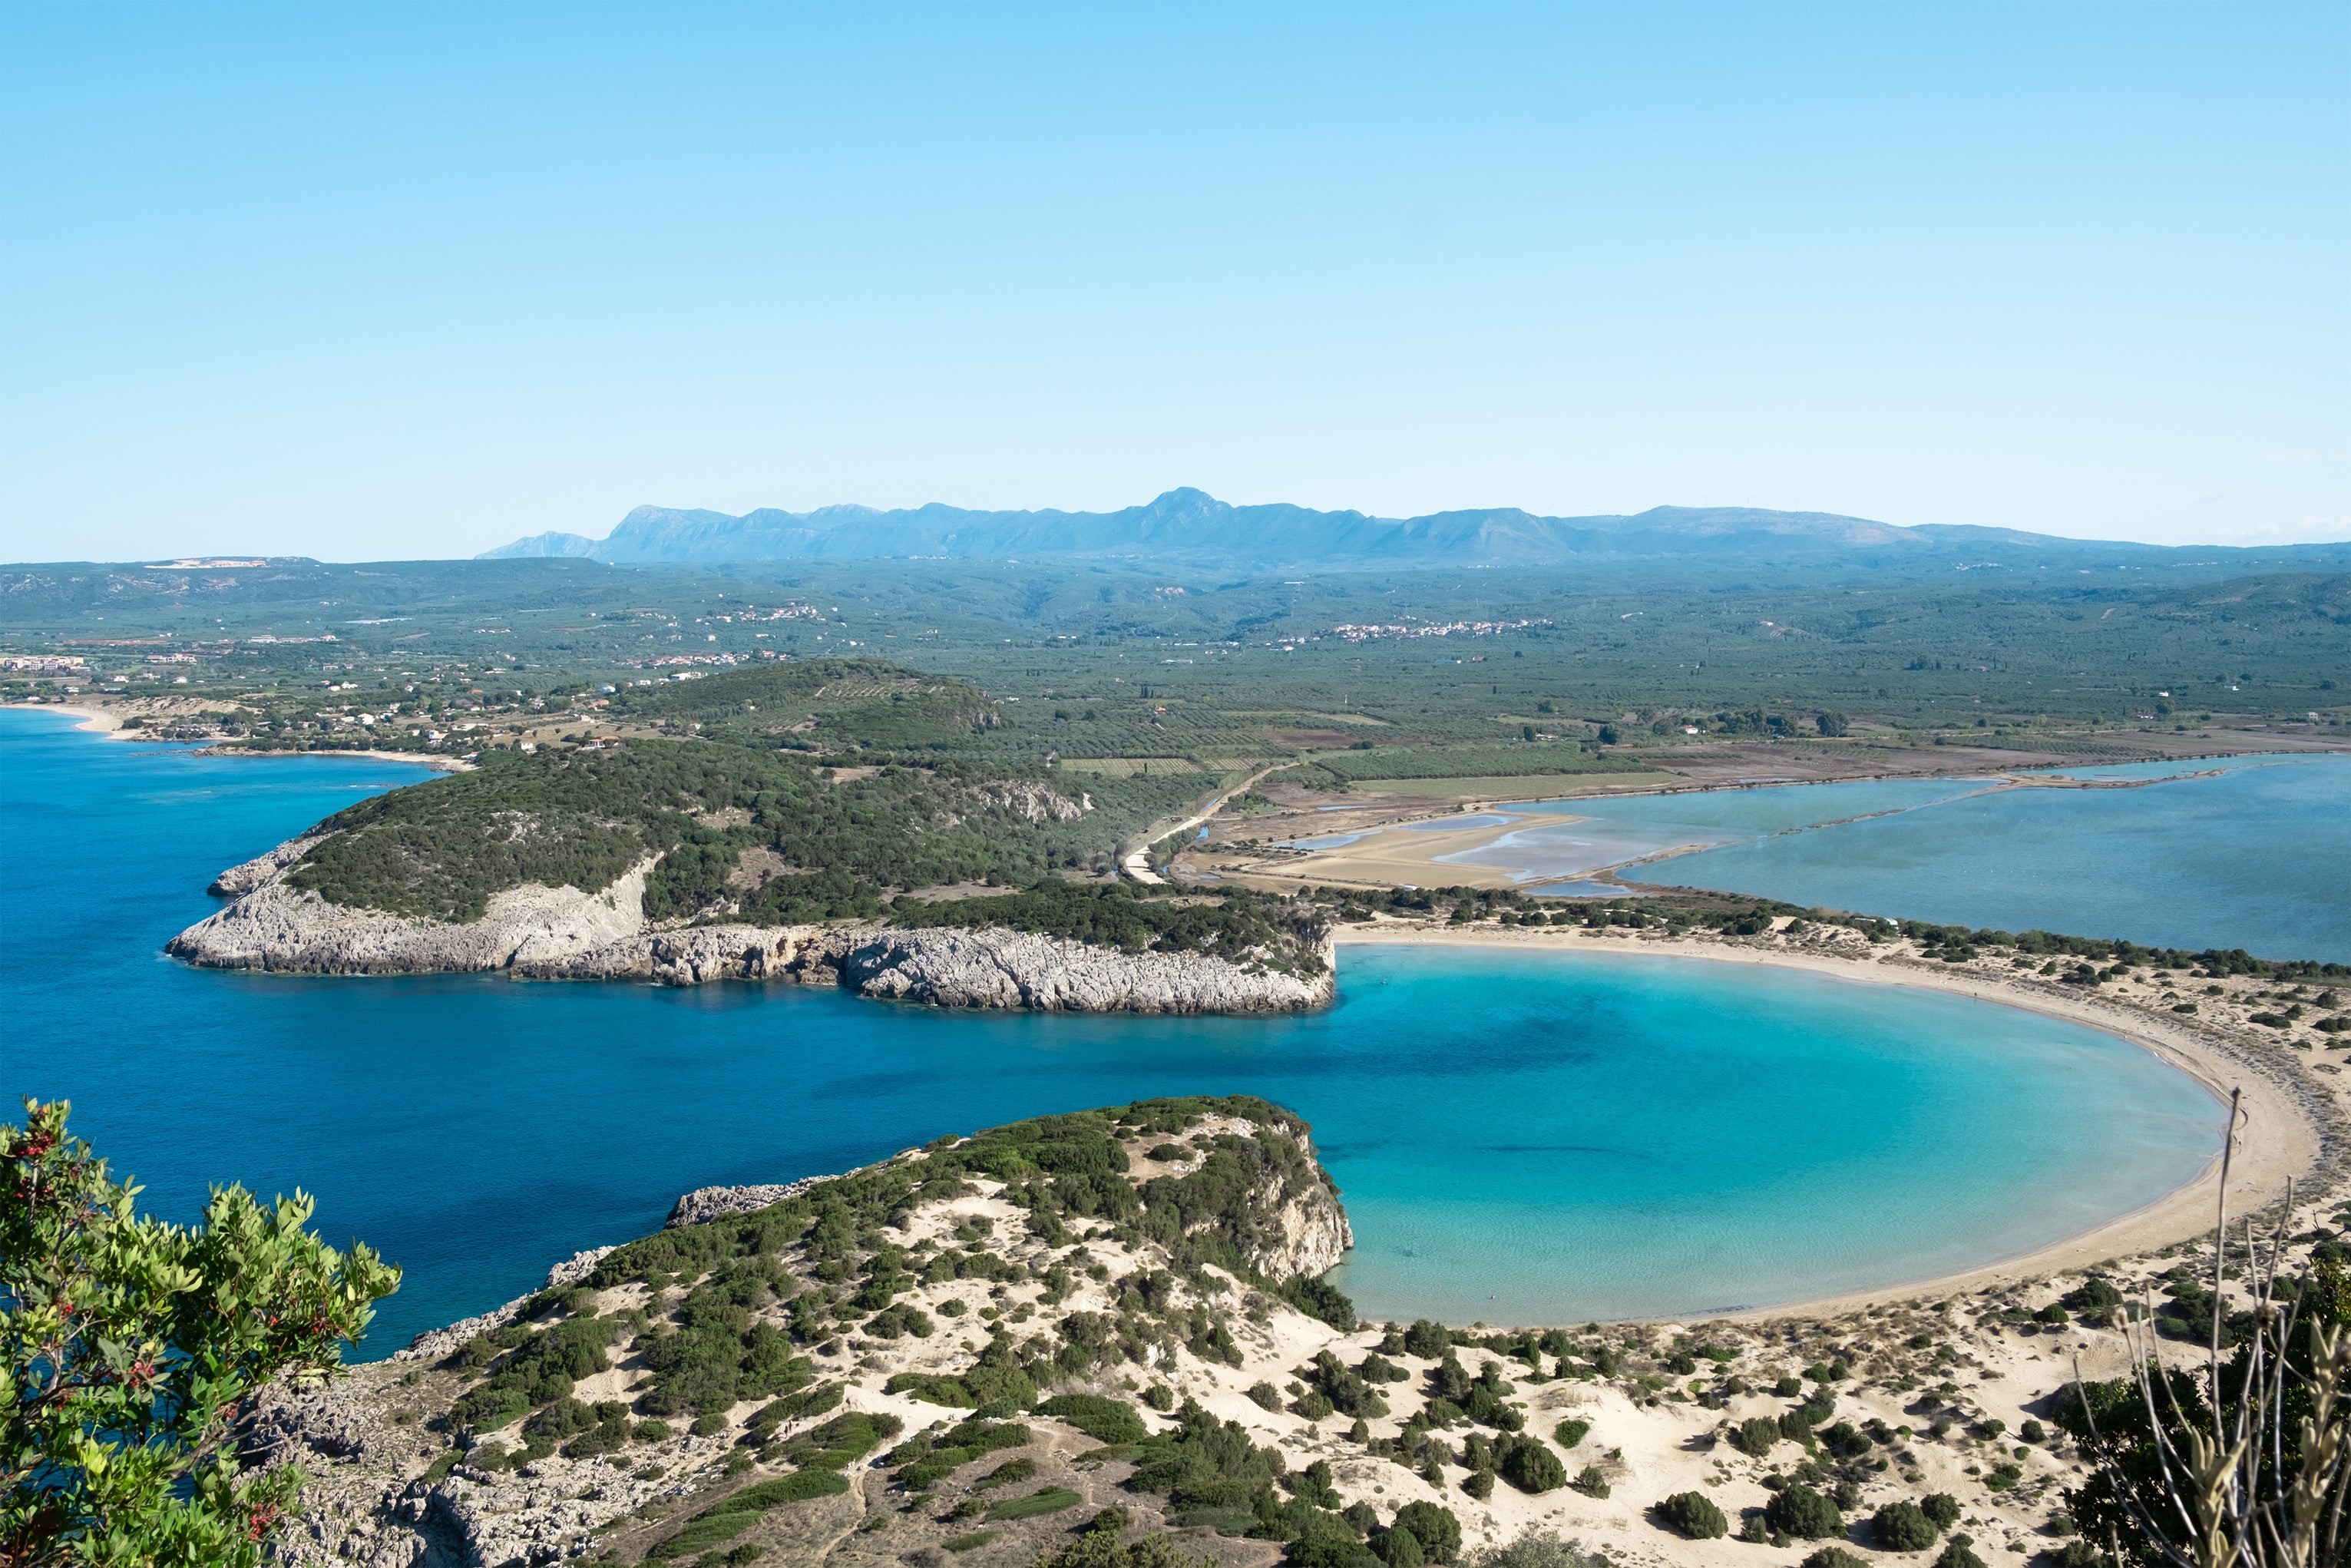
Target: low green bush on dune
<point>1694,1515</point>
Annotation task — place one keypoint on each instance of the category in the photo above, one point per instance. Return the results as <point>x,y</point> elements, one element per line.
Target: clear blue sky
<point>363,281</point>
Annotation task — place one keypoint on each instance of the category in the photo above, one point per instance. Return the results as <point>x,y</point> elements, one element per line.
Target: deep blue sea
<point>2256,855</point>
<point>1531,1138</point>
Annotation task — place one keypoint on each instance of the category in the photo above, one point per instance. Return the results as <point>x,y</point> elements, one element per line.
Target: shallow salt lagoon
<point>1546,1138</point>
<point>2243,852</point>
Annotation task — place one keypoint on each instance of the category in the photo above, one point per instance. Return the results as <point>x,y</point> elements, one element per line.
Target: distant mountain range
<point>1191,525</point>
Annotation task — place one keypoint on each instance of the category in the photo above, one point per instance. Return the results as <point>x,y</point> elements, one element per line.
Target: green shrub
<point>702,1531</point>
<point>1591,1482</point>
<point>1832,1557</point>
<point>922,1463</point>
<point>1568,1434</point>
<point>968,1392</point>
<point>1956,1555</point>
<point>1529,1465</point>
<point>735,1513</point>
<point>1319,1299</point>
<point>1427,1339</point>
<point>1902,1527</point>
<point>1693,1514</point>
<point>903,1318</point>
<point>1754,1438</point>
<point>1478,1484</point>
<point>1104,1421</point>
<point>801,1485</point>
<point>1941,1508</point>
<point>1348,1389</point>
<point>798,1487</point>
<point>1797,1511</point>
<point>1264,1396</point>
<point>841,1440</point>
<point>1436,1528</point>
<point>488,1409</point>
<point>1050,1500</point>
<point>977,1538</point>
<point>1004,1474</point>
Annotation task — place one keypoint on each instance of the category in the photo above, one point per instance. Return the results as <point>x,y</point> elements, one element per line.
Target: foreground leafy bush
<point>130,1342</point>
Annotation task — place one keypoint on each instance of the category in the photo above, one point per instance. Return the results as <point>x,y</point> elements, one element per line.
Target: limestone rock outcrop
<point>705,1204</point>
<point>239,880</point>
<point>563,933</point>
<point>279,927</point>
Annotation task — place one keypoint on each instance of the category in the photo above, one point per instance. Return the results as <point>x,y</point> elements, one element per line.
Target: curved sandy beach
<point>2290,1129</point>
<point>105,722</point>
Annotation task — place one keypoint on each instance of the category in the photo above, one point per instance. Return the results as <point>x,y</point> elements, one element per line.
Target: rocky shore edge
<point>563,933</point>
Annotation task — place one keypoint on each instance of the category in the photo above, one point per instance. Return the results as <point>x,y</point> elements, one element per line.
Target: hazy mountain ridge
<point>1190,523</point>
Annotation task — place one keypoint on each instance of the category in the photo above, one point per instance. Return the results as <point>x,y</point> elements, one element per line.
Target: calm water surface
<point>1580,1136</point>
<point>2255,856</point>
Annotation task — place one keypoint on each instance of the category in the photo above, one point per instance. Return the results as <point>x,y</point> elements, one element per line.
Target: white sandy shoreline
<point>96,720</point>
<point>107,723</point>
<point>2283,1139</point>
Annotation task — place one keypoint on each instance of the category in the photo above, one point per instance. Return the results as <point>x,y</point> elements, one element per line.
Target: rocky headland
<point>564,933</point>
<point>984,1351</point>
<point>839,1334</point>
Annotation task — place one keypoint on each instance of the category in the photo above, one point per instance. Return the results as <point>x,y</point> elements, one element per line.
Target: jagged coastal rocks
<point>563,933</point>
<point>705,1204</point>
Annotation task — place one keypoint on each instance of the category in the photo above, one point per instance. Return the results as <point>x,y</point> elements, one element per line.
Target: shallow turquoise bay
<point>1541,1138</point>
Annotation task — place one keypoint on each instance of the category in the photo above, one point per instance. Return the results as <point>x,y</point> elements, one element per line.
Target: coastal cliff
<point>563,933</point>
<point>276,926</point>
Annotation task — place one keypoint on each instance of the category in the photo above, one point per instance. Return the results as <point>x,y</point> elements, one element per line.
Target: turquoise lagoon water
<point>1520,1137</point>
<point>2257,855</point>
